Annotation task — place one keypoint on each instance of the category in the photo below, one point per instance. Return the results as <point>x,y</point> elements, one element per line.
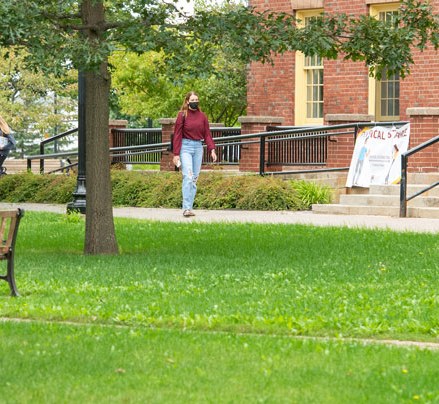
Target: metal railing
<point>229,143</point>
<point>227,154</point>
<point>54,139</point>
<point>403,198</point>
<point>136,137</point>
<point>312,151</point>
<point>315,137</point>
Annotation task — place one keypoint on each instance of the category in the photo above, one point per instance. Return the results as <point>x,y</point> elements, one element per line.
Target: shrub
<point>311,193</point>
<point>159,189</point>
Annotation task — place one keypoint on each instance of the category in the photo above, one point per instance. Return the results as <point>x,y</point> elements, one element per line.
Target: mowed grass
<point>211,313</point>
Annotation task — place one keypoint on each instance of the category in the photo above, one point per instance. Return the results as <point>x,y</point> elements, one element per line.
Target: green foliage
<point>144,86</point>
<point>311,193</point>
<point>34,104</point>
<point>163,189</point>
<point>74,216</point>
<point>191,43</point>
<point>29,187</point>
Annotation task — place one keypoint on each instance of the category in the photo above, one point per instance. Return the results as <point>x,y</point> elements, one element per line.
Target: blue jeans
<point>191,156</point>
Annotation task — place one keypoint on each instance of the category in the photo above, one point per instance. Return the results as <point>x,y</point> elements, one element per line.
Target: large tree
<point>83,33</point>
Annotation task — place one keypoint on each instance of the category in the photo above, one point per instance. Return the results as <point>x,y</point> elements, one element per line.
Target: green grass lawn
<point>194,312</point>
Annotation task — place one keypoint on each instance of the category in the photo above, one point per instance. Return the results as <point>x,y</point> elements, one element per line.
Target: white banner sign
<point>377,156</point>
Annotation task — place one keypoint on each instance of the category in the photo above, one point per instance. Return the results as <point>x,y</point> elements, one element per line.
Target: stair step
<point>396,189</point>
<point>387,200</point>
<point>422,178</point>
<point>341,209</point>
<point>393,211</point>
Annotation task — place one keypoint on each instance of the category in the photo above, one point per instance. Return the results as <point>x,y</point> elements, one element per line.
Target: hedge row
<point>146,189</point>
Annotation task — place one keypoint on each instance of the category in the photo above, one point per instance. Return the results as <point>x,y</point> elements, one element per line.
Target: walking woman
<point>191,128</point>
<point>7,142</point>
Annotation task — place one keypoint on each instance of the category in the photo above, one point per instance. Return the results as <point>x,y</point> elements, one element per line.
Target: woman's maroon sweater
<point>194,126</point>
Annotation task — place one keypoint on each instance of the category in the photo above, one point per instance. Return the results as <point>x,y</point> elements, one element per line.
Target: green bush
<point>311,193</point>
<point>163,189</point>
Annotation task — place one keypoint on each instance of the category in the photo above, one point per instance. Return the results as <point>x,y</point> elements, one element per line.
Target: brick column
<point>340,148</point>
<point>115,124</point>
<point>166,163</point>
<point>424,125</point>
<point>249,159</point>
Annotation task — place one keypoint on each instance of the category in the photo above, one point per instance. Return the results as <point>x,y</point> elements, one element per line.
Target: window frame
<point>375,88</point>
<point>301,100</point>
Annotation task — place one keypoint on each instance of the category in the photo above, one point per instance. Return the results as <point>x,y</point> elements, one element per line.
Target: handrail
<point>403,199</point>
<point>261,137</point>
<point>59,136</point>
<point>49,140</point>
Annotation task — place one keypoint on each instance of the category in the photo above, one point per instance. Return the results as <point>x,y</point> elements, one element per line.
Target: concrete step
<point>422,178</point>
<point>341,209</point>
<point>388,200</point>
<point>393,211</point>
<point>396,189</point>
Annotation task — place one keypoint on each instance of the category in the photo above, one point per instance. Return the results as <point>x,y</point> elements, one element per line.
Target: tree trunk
<point>100,235</point>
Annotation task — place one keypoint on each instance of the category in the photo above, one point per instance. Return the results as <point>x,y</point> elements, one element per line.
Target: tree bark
<point>100,237</point>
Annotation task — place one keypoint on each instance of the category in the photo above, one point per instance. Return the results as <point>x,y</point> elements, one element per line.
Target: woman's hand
<point>176,161</point>
<point>213,154</point>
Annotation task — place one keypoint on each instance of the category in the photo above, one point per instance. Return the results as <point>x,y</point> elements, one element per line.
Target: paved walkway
<point>240,216</point>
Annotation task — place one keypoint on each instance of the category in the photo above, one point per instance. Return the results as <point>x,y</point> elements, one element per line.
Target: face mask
<point>193,105</point>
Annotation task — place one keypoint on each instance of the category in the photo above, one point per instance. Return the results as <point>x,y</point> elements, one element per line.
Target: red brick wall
<point>424,125</point>
<point>345,82</point>
<point>421,87</point>
<point>270,89</point>
<point>249,159</point>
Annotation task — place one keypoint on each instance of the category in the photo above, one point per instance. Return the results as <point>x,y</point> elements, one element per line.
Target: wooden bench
<point>9,222</point>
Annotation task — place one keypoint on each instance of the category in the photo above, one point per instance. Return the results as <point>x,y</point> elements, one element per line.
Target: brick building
<point>311,91</point>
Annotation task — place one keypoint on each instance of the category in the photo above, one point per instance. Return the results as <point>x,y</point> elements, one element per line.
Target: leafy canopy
<point>51,31</point>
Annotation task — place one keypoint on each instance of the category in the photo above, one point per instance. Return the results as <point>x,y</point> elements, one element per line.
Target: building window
<point>314,87</point>
<point>387,90</point>
<point>309,81</point>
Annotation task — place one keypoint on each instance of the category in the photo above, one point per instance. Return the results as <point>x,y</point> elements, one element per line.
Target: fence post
<point>115,124</point>
<point>251,153</point>
<point>166,163</point>
<point>262,156</point>
<point>341,148</point>
<point>403,188</point>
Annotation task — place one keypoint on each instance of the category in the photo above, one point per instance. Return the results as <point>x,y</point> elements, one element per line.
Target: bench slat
<point>10,220</point>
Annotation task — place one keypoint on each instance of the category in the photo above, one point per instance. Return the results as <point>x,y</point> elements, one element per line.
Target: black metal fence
<point>227,154</point>
<point>312,151</point>
<point>136,137</point>
<point>403,198</point>
<point>290,146</point>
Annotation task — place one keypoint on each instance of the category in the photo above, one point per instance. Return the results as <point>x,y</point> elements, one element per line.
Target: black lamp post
<point>78,203</point>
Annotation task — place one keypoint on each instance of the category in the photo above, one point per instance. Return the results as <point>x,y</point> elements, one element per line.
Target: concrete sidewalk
<point>241,216</point>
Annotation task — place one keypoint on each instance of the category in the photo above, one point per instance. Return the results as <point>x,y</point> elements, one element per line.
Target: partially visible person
<point>7,143</point>
<point>191,128</point>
